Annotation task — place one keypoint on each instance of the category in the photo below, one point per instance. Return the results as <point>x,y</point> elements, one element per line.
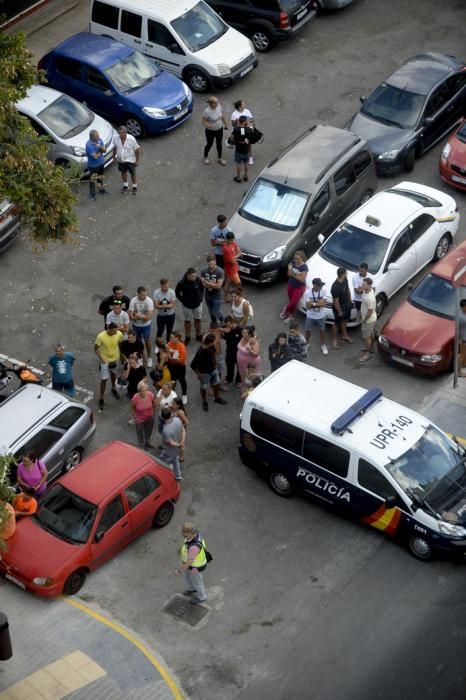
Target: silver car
<point>66,122</point>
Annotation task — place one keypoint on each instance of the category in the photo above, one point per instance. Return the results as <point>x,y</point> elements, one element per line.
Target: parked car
<point>10,221</point>
<point>420,334</point>
<point>66,123</point>
<point>87,517</point>
<point>118,82</point>
<point>333,4</point>
<point>266,23</point>
<point>452,163</point>
<point>303,192</point>
<point>54,426</point>
<point>397,233</point>
<point>411,110</point>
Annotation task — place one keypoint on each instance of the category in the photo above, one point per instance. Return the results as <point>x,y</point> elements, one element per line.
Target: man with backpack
<point>194,558</point>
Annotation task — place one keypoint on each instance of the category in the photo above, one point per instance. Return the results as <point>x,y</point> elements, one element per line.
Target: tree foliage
<point>27,177</point>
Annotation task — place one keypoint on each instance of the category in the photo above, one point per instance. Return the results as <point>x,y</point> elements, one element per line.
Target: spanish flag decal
<point>386,519</point>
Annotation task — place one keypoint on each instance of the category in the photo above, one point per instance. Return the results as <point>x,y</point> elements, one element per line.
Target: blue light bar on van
<point>356,410</point>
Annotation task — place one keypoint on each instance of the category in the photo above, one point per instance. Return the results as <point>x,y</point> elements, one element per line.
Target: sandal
<point>348,340</point>
<point>206,161</point>
<point>334,345</point>
<point>222,161</point>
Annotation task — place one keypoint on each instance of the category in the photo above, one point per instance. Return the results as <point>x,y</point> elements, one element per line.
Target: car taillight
<point>284,21</point>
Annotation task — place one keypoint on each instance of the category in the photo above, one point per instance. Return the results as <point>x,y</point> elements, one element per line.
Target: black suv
<point>266,22</point>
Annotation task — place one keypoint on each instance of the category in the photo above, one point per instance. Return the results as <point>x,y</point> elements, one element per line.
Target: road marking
<point>13,361</point>
<point>88,395</point>
<point>169,680</point>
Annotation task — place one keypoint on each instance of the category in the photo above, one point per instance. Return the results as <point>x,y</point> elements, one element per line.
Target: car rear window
<point>417,197</point>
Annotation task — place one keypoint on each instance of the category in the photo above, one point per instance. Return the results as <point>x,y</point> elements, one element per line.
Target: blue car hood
<point>380,137</point>
<point>164,91</point>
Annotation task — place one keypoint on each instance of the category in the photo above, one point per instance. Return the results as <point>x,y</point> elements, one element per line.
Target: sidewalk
<point>447,407</point>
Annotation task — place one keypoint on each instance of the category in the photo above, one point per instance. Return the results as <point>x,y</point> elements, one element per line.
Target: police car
<point>383,464</point>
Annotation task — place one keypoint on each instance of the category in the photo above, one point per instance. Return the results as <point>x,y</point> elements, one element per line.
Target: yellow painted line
<point>176,692</point>
<point>460,439</point>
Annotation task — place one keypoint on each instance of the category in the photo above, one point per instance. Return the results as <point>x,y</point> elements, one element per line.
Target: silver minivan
<point>306,191</point>
<point>55,427</point>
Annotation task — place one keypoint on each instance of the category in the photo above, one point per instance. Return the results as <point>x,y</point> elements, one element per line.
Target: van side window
<point>159,34</point>
<point>371,479</point>
<point>97,80</point>
<point>131,23</point>
<point>68,66</point>
<point>326,454</point>
<point>105,14</point>
<point>277,431</point>
<point>320,202</point>
<point>361,162</point>
<point>343,179</point>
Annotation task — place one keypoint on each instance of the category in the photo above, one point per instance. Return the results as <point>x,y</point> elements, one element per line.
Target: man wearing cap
<point>369,317</point>
<point>315,301</point>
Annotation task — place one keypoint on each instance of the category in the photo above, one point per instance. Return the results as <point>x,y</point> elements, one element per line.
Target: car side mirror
<point>109,93</point>
<point>390,502</point>
<point>393,266</point>
<point>99,535</point>
<point>321,238</point>
<point>362,99</point>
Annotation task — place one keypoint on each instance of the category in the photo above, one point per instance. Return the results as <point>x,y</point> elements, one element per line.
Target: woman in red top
<point>177,362</point>
<point>143,407</point>
<point>231,252</point>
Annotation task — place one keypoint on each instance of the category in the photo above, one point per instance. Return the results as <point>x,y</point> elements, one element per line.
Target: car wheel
<point>72,460</point>
<point>441,248</point>
<point>261,39</point>
<point>62,163</point>
<point>280,484</point>
<point>380,304</point>
<point>420,548</point>
<point>163,515</point>
<point>365,197</point>
<point>408,163</point>
<point>198,81</point>
<point>134,127</point>
<point>74,582</point>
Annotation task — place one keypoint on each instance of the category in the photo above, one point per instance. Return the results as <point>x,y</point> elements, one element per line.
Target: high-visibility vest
<point>201,559</point>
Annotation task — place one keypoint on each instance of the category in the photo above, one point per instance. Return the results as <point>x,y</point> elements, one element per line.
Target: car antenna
<point>39,395</point>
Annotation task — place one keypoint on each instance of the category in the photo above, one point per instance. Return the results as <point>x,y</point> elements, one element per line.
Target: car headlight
<point>78,151</point>
<point>389,155</point>
<point>187,91</point>
<point>431,358</point>
<point>154,112</point>
<point>42,580</point>
<point>451,530</point>
<point>446,151</point>
<point>384,341</point>
<point>275,254</point>
<point>223,69</point>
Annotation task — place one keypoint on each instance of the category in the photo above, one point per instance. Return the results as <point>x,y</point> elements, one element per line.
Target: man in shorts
<point>241,136</point>
<point>369,317</point>
<point>141,309</point>
<point>107,349</point>
<point>315,301</point>
<point>190,292</point>
<point>204,364</point>
<point>126,150</point>
<point>95,151</point>
<point>341,305</point>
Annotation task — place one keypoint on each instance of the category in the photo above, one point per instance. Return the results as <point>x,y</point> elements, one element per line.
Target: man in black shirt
<point>204,364</point>
<point>241,136</point>
<point>132,346</point>
<point>232,335</point>
<point>106,305</point>
<point>341,296</point>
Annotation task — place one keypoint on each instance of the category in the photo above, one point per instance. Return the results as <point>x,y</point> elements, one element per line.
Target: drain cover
<point>180,608</point>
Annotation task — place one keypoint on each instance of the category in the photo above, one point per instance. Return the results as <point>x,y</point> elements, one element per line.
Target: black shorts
<point>95,172</point>
<point>127,168</point>
<point>344,317</point>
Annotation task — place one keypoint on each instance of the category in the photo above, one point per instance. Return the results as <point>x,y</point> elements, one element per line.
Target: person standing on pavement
<point>248,355</point>
<point>297,272</point>
<point>204,364</point>
<point>241,308</point>
<point>95,151</point>
<point>127,152</point>
<point>173,440</point>
<point>315,301</point>
<point>141,309</point>
<point>242,139</point>
<point>232,335</point>
<point>107,349</point>
<point>214,123</point>
<point>143,408</point>
<point>279,352</point>
<point>369,317</point>
<point>132,346</point>
<point>190,292</point>
<point>212,278</point>
<point>164,303</point>
<point>119,317</point>
<point>106,305</point>
<point>341,305</point>
<point>297,343</point>
<point>194,562</point>
<point>217,238</point>
<point>358,289</point>
<point>133,374</point>
<point>62,363</point>
<point>177,363</point>
<point>231,253</point>
<point>242,111</point>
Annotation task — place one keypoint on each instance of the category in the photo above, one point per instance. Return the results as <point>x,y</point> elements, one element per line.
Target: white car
<point>397,232</point>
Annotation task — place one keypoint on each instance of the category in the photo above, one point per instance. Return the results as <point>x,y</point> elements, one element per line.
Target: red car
<point>87,517</point>
<point>452,163</point>
<point>420,334</point>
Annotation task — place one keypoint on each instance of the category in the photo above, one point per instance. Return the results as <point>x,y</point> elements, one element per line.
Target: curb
<point>33,20</point>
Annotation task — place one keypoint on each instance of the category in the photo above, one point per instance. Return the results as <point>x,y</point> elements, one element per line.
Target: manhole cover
<point>180,608</point>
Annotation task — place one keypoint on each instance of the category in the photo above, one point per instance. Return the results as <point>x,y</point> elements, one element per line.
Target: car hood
<point>32,551</point>
<point>231,48</point>
<point>257,238</point>
<point>101,125</point>
<point>418,331</point>
<point>457,152</point>
<point>164,91</point>
<point>380,137</point>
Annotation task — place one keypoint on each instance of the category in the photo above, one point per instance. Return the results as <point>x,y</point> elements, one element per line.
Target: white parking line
<point>88,395</point>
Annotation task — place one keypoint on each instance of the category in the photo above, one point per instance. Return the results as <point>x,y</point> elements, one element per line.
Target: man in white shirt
<point>357,281</point>
<point>141,309</point>
<point>315,301</point>
<point>369,317</point>
<point>126,151</point>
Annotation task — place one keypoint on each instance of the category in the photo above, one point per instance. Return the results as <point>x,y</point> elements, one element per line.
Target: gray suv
<point>305,191</point>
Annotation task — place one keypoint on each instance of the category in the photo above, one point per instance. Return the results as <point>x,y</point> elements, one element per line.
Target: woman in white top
<point>214,122</point>
<point>242,111</point>
<point>241,309</point>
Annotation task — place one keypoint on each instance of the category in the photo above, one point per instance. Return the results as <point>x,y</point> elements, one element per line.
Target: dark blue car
<point>119,83</point>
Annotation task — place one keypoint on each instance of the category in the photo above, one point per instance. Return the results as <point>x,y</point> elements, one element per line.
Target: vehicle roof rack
<point>355,411</point>
<point>348,148</point>
<point>299,138</point>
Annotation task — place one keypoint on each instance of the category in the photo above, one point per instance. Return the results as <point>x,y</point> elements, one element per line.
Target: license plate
<point>246,270</point>
<point>462,180</point>
<point>15,580</point>
<point>180,114</point>
<point>402,361</point>
<point>246,70</point>
<point>301,14</point>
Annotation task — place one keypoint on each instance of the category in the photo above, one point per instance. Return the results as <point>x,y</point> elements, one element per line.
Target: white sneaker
<point>251,161</point>
<point>283,315</point>
<point>149,361</point>
<point>288,319</point>
<point>324,349</point>
<point>184,399</point>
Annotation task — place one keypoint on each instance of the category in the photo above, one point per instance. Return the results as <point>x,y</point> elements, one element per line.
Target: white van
<point>185,36</point>
<point>381,463</point>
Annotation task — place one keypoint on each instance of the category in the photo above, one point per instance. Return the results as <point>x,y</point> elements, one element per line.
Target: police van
<point>314,434</point>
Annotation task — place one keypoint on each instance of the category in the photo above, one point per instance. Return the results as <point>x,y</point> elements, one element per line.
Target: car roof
<point>445,267</point>
<point>103,471</point>
<point>389,208</point>
<point>38,97</point>
<point>421,73</point>
<point>168,9</point>
<point>97,51</point>
<point>303,162</point>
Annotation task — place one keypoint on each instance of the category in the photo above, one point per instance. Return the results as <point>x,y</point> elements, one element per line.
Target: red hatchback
<point>420,334</point>
<point>87,517</point>
<point>452,163</point>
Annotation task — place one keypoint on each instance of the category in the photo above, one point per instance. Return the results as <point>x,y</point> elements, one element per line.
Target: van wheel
<point>380,304</point>
<point>72,460</point>
<point>198,81</point>
<point>441,249</point>
<point>134,127</point>
<point>420,548</point>
<point>163,515</point>
<point>280,484</point>
<point>74,582</point>
<point>408,163</point>
<point>261,39</point>
<point>365,197</point>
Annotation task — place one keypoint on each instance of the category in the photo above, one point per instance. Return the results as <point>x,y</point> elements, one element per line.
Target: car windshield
<point>462,132</point>
<point>436,296</point>
<point>274,205</point>
<point>66,515</point>
<point>132,72</point>
<point>66,117</point>
<point>395,107</point>
<point>199,27</point>
<point>348,245</point>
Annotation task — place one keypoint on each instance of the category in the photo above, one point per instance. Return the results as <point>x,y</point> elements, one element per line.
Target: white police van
<point>315,434</point>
